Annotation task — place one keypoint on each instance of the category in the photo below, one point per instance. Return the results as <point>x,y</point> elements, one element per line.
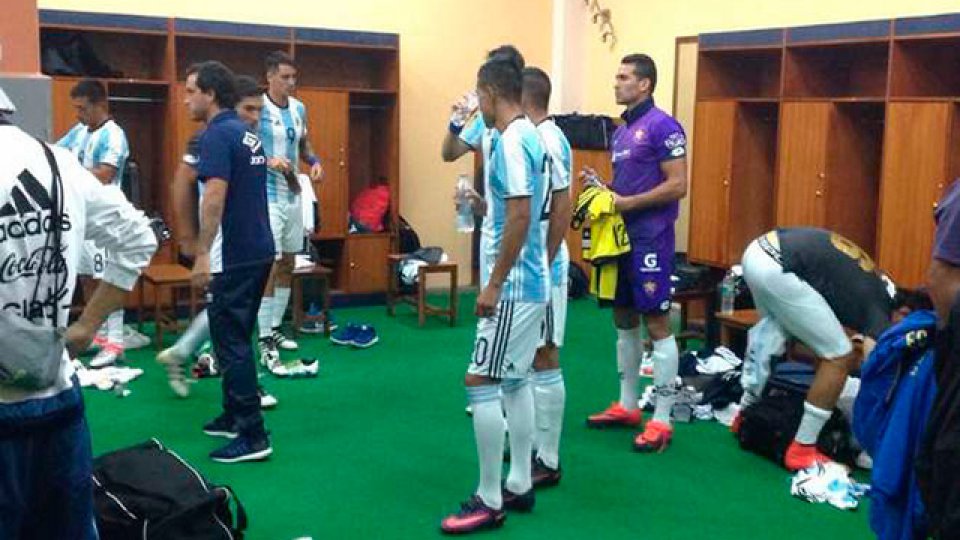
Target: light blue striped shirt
<point>517,164</point>
<point>107,144</point>
<point>561,163</point>
<point>281,130</point>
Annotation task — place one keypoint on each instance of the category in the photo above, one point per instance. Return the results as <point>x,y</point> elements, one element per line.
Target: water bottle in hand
<point>465,219</point>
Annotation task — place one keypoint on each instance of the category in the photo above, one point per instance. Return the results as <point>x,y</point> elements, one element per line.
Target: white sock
<point>518,404</point>
<point>549,396</point>
<point>265,317</point>
<point>281,297</point>
<point>488,428</point>
<point>666,361</point>
<point>812,423</point>
<point>629,351</point>
<point>196,334</point>
<point>115,328</point>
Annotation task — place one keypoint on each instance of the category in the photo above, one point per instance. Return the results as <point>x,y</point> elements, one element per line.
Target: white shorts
<point>555,320</point>
<point>286,224</point>
<point>92,260</point>
<point>507,342</point>
<point>798,308</point>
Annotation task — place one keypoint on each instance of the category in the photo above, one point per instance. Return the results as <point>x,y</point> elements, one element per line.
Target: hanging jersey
<point>106,144</point>
<point>281,130</point>
<point>516,169</point>
<point>561,162</point>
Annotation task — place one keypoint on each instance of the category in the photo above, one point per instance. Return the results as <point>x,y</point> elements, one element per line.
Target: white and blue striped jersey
<point>106,144</point>
<point>561,162</point>
<point>281,130</point>
<point>517,161</point>
<point>478,136</point>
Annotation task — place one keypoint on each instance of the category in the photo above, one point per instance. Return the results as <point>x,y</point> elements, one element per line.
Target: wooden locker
<point>327,123</point>
<point>914,177</point>
<point>732,181</point>
<point>64,116</point>
<point>803,163</point>
<point>710,181</point>
<point>363,268</point>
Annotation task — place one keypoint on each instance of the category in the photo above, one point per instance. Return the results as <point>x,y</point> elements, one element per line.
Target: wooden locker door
<point>328,129</point>
<point>64,116</point>
<point>710,182</point>
<point>366,263</point>
<point>914,173</point>
<point>801,174</point>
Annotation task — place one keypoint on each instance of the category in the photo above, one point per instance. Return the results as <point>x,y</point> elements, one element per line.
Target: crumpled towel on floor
<point>105,378</point>
<point>828,483</point>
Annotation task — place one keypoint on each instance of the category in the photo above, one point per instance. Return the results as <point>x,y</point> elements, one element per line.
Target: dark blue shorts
<point>643,275</point>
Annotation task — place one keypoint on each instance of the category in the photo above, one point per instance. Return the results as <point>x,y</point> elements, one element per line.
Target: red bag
<point>370,206</point>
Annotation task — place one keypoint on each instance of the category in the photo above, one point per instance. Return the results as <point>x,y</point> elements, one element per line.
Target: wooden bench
<point>418,297</point>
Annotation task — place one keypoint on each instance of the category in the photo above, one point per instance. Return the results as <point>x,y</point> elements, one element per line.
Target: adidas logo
<point>30,201</point>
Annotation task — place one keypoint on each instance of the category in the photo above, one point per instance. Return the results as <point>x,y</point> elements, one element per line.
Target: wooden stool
<point>684,298</point>
<point>172,277</point>
<point>314,271</point>
<point>419,297</point>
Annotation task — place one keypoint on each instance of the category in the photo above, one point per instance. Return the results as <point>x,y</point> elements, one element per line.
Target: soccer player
<point>234,253</point>
<point>549,389</point>
<point>249,107</point>
<point>283,130</point>
<point>101,146</point>
<point>649,179</point>
<point>515,280</point>
<point>809,284</point>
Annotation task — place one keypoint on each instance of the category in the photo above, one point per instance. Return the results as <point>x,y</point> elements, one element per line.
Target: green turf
<point>379,447</point>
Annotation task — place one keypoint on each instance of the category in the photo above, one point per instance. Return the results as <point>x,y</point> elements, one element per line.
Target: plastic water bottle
<point>465,221</point>
<point>728,292</point>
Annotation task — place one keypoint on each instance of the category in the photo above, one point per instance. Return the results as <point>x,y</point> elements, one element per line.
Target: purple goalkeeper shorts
<point>643,275</point>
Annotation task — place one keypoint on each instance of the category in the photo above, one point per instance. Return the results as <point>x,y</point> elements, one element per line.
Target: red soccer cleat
<point>655,437</point>
<point>474,515</point>
<point>615,415</point>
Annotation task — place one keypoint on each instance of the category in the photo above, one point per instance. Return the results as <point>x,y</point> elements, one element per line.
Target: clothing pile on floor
<point>828,483</point>
<point>709,383</point>
<point>110,378</point>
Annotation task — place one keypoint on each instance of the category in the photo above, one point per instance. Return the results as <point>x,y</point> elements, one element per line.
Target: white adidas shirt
<point>92,211</point>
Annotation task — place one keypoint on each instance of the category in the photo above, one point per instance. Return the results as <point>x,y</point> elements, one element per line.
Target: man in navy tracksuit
<point>234,252</point>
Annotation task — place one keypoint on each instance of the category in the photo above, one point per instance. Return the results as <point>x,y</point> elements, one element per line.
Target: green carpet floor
<point>378,446</point>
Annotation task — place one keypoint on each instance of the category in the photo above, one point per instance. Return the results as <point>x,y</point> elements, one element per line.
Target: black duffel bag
<point>148,492</point>
<point>586,131</point>
<point>767,427</point>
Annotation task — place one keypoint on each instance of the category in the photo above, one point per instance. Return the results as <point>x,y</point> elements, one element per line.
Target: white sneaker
<point>283,342</point>
<point>269,355</point>
<point>107,356</point>
<point>267,400</point>
<point>133,339</point>
<point>175,371</point>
